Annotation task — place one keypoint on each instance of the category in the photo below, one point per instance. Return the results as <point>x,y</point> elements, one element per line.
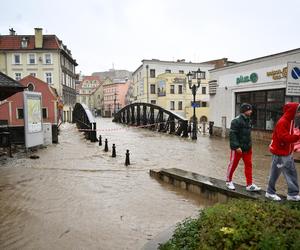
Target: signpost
<point>33,119</point>
<point>293,79</point>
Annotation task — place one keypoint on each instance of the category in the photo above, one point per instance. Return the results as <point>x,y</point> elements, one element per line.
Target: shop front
<point>262,82</point>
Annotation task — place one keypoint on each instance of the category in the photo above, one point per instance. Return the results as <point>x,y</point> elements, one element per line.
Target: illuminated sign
<point>278,74</point>
<point>252,78</point>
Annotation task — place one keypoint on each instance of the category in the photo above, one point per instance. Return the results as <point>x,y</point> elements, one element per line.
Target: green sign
<point>252,78</point>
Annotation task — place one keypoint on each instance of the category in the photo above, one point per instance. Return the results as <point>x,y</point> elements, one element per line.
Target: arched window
<point>30,86</point>
<point>203,119</point>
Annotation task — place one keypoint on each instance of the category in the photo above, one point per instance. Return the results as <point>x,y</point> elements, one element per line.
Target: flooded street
<point>76,196</point>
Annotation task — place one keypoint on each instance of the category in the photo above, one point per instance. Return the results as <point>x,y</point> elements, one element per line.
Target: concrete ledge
<point>207,187</point>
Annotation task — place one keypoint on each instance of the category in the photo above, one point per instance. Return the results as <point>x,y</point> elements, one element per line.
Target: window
<point>20,113</point>
<point>180,105</point>
<point>204,90</point>
<point>31,58</point>
<point>168,71</point>
<point>204,104</point>
<point>172,89</point>
<point>17,59</point>
<point>30,87</point>
<point>152,88</point>
<point>267,107</point>
<point>152,73</point>
<point>48,59</point>
<point>172,105</point>
<point>48,76</point>
<point>153,101</point>
<point>33,74</point>
<point>45,113</point>
<point>18,76</point>
<point>180,89</point>
<point>181,71</point>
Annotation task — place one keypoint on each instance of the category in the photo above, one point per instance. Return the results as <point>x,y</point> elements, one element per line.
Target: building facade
<point>164,83</point>
<point>261,82</point>
<point>114,95</point>
<point>85,91</point>
<point>44,57</point>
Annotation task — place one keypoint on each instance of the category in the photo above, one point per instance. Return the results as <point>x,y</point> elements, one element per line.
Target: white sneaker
<point>273,197</point>
<point>293,197</point>
<point>229,185</point>
<point>253,188</point>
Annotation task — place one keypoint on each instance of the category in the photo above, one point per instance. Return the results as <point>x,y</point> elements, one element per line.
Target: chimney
<point>38,37</point>
<point>12,32</point>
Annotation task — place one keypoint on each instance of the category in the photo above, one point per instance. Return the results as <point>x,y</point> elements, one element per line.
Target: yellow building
<point>42,56</point>
<point>171,91</point>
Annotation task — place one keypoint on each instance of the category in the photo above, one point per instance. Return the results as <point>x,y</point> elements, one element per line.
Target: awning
<point>9,86</point>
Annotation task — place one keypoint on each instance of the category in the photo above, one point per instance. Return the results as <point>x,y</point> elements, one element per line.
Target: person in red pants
<point>241,147</point>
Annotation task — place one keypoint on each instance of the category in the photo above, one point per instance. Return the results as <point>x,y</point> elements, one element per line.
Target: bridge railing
<point>85,121</point>
<point>153,117</point>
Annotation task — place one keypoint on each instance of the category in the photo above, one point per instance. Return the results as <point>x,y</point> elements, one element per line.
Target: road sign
<point>195,105</point>
<point>293,79</point>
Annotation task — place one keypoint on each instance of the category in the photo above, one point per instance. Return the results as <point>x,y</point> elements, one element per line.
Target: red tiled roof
<point>91,78</point>
<point>14,42</point>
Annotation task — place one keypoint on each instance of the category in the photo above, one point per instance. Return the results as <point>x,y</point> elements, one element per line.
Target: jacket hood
<point>289,110</point>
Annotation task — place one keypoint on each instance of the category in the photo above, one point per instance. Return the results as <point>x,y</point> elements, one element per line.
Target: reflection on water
<point>76,196</point>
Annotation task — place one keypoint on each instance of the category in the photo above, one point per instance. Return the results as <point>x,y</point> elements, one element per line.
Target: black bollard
<point>113,151</point>
<point>106,146</point>
<point>100,140</point>
<point>127,161</point>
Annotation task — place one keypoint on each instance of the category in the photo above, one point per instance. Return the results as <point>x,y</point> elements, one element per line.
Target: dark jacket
<point>240,133</point>
<point>283,137</point>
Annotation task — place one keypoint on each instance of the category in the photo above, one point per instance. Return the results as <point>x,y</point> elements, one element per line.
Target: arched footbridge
<point>154,117</point>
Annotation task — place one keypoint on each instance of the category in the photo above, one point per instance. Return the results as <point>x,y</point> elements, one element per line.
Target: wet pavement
<point>76,196</point>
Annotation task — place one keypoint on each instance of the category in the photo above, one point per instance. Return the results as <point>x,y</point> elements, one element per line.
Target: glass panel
<point>242,97</point>
<point>273,113</point>
<point>258,116</point>
<point>258,96</point>
<point>275,95</point>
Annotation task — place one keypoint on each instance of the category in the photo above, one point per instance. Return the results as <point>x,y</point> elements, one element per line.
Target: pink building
<point>114,94</point>
<point>11,109</point>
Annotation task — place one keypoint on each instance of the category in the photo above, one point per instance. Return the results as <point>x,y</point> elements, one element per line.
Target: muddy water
<point>76,196</point>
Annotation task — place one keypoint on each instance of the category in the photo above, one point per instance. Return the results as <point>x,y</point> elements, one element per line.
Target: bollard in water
<point>127,160</point>
<point>106,146</point>
<point>100,140</point>
<point>113,151</point>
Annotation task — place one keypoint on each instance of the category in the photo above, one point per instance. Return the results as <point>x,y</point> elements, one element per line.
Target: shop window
<point>275,96</point>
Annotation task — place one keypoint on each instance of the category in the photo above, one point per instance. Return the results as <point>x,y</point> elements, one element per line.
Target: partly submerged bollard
<point>127,161</point>
<point>113,151</point>
<point>100,140</point>
<point>106,146</point>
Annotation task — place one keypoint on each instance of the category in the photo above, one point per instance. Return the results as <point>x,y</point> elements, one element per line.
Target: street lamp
<point>115,103</point>
<point>198,75</point>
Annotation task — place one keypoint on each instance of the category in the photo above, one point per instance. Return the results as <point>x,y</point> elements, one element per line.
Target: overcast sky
<point>120,33</point>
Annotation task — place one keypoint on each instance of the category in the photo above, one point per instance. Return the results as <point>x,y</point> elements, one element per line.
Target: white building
<point>261,82</point>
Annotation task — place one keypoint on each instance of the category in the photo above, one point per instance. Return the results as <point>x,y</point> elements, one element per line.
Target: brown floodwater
<point>76,196</point>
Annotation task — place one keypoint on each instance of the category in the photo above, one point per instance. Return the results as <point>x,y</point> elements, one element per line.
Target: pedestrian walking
<point>282,147</point>
<point>241,147</point>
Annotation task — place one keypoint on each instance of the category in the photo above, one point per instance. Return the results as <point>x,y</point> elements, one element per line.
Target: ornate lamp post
<point>195,75</point>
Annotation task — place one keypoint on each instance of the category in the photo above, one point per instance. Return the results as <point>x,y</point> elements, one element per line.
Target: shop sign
<point>252,78</point>
<point>179,80</point>
<point>278,74</point>
<point>293,79</point>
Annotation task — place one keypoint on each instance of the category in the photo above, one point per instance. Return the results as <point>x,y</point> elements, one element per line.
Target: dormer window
<point>24,42</point>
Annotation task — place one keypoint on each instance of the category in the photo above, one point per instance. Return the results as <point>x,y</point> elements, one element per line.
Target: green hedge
<point>240,224</point>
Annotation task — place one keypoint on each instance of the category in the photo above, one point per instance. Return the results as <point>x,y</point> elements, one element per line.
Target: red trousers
<point>234,161</point>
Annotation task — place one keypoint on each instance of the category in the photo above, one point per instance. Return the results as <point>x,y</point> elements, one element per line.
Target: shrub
<point>240,224</point>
